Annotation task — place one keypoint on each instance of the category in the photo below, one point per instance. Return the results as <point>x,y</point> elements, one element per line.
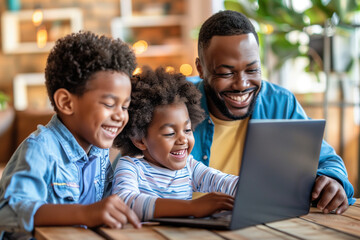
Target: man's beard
<point>221,106</point>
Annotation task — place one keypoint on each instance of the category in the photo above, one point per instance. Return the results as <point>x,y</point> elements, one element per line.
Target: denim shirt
<point>43,170</point>
<point>273,102</point>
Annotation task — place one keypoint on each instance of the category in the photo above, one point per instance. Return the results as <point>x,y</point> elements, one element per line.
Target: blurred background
<point>310,47</point>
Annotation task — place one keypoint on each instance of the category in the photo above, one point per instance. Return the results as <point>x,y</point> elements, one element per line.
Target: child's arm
<point>146,204</point>
<point>127,178</point>
<point>111,211</point>
<point>200,207</point>
<point>206,179</point>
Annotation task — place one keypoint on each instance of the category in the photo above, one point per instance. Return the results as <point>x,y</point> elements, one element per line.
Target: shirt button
<point>205,157</point>
<point>69,198</point>
<point>209,121</point>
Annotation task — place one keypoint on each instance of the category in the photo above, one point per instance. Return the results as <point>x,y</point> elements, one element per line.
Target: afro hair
<point>77,56</point>
<point>151,89</point>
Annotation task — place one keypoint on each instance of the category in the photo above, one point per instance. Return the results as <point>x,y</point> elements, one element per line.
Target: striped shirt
<point>139,183</point>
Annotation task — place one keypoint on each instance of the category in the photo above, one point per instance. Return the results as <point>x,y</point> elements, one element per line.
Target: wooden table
<point>315,225</point>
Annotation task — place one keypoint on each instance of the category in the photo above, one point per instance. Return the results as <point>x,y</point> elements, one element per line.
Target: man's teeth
<point>239,98</point>
<point>111,129</point>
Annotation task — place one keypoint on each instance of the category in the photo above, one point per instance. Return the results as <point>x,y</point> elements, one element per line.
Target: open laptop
<point>277,173</point>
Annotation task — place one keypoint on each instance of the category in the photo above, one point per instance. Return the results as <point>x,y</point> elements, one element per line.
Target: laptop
<point>278,171</point>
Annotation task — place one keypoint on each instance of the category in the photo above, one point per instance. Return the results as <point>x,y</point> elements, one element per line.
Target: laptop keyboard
<point>224,216</point>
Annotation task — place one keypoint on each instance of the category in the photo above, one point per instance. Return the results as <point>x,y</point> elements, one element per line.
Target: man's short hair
<point>224,23</point>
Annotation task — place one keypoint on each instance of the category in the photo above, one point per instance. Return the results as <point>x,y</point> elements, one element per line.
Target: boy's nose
<point>119,115</point>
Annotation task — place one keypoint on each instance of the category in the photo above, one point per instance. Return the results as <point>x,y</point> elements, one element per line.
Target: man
<point>233,92</point>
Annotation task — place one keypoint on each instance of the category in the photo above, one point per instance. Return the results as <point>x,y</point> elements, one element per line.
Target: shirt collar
<point>203,100</point>
<point>68,142</point>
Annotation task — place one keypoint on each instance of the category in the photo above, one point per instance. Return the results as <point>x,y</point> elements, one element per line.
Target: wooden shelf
<point>162,50</point>
<point>10,27</point>
<point>164,32</point>
<point>148,21</point>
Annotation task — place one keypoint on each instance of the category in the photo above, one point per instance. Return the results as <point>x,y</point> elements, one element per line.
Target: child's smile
<point>101,112</point>
<point>169,138</point>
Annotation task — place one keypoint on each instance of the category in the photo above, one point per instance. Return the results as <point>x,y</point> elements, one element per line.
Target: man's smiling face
<point>231,69</point>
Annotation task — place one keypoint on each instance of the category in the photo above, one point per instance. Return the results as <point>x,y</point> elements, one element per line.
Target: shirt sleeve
<point>22,187</point>
<point>331,165</point>
<point>207,179</point>
<point>126,186</point>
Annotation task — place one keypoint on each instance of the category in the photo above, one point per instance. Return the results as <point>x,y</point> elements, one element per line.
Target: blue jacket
<point>43,170</point>
<point>273,102</point>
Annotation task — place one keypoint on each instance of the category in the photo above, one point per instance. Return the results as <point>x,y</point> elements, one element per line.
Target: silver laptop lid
<point>278,170</point>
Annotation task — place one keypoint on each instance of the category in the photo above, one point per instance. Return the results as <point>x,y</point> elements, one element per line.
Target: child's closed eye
<point>168,134</point>
<point>109,105</point>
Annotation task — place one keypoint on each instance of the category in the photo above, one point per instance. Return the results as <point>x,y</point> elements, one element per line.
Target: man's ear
<point>199,67</point>
<point>139,143</point>
<point>64,101</point>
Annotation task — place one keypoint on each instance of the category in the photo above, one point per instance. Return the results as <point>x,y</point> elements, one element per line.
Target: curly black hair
<point>224,23</point>
<point>77,56</point>
<point>151,89</point>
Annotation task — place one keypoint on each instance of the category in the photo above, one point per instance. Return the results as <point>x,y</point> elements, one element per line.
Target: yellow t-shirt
<point>227,146</point>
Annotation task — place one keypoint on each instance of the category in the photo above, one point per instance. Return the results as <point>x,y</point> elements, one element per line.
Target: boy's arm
<point>111,211</point>
<point>200,207</point>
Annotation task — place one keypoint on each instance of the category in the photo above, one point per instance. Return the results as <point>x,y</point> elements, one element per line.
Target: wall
<point>96,17</point>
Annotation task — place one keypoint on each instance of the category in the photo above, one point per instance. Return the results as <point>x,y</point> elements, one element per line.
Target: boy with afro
<point>61,174</point>
<point>158,175</point>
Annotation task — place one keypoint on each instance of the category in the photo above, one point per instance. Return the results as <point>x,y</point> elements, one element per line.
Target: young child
<point>159,177</point>
<point>60,174</point>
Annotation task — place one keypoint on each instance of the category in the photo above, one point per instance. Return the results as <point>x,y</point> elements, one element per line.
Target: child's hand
<point>111,211</point>
<point>211,203</point>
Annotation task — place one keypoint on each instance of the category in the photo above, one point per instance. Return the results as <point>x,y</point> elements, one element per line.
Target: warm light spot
<point>186,69</point>
<point>37,17</point>
<point>137,71</point>
<point>41,37</point>
<point>269,29</point>
<point>140,46</point>
<point>170,69</point>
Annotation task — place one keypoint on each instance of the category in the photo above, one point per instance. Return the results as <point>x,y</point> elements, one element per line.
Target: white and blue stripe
<point>139,183</point>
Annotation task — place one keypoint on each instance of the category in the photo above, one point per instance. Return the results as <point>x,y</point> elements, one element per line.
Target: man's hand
<point>330,195</point>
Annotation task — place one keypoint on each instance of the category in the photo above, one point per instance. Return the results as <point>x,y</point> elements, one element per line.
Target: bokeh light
<point>140,46</point>
<point>137,71</point>
<point>37,17</point>
<point>170,69</point>
<point>41,37</point>
<point>186,69</point>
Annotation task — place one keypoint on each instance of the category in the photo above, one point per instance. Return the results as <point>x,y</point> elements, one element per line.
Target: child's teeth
<point>111,129</point>
<point>178,153</point>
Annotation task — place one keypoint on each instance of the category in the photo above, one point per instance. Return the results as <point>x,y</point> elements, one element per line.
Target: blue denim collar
<point>68,142</point>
